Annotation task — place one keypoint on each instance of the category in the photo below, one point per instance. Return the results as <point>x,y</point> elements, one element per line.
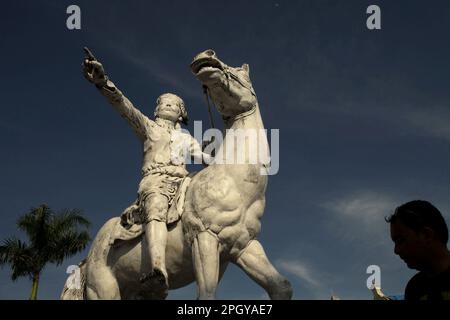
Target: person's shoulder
<point>151,125</point>
<point>414,285</point>
<point>420,286</point>
<point>419,277</point>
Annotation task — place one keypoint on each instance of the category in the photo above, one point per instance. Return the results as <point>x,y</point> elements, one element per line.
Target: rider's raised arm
<point>95,73</point>
<point>138,121</point>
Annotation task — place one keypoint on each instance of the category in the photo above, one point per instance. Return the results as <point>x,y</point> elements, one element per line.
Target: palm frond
<point>35,223</point>
<point>67,245</point>
<point>68,219</point>
<point>12,249</point>
<point>53,237</point>
<point>19,256</point>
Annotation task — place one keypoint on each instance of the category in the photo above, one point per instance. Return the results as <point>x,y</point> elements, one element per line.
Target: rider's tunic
<point>164,149</point>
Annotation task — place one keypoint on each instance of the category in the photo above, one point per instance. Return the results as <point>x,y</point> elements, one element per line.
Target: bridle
<point>229,74</point>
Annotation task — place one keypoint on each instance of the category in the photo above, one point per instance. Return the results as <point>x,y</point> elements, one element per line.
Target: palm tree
<point>52,238</point>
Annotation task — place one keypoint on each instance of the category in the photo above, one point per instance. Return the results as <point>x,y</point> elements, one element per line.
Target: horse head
<point>230,88</point>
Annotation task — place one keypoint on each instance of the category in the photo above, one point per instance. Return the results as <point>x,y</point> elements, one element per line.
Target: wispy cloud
<point>313,281</point>
<point>300,270</point>
<point>358,219</point>
<point>155,69</point>
<point>365,207</point>
<point>183,83</point>
<point>435,122</point>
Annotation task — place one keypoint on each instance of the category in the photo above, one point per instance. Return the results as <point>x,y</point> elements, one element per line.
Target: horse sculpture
<point>222,210</point>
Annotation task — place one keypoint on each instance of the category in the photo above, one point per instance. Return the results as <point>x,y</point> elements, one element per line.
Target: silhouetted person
<point>420,235</point>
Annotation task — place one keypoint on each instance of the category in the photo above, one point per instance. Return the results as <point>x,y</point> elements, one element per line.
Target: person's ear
<point>429,234</point>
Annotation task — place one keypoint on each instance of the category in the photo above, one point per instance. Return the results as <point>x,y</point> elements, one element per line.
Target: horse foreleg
<point>253,260</point>
<point>205,252</point>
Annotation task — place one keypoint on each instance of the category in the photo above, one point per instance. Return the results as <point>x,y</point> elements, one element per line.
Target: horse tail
<point>75,286</point>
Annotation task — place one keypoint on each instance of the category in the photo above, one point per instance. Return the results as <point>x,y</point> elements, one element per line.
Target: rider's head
<point>418,229</point>
<point>171,107</point>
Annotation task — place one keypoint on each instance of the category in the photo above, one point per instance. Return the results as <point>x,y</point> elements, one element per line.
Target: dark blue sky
<point>364,119</point>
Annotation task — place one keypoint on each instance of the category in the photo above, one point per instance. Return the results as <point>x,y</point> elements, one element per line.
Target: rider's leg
<point>156,207</point>
<point>205,252</point>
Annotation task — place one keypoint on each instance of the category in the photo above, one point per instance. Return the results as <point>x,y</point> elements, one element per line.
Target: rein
<point>211,119</point>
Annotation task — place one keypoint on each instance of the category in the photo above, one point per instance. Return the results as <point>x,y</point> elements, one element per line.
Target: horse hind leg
<point>253,260</point>
<point>101,284</point>
<point>205,252</point>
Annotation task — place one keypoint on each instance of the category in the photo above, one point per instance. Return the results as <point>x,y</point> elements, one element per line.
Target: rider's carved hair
<point>180,104</point>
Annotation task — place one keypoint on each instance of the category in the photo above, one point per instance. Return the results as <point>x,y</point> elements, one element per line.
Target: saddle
<point>130,225</point>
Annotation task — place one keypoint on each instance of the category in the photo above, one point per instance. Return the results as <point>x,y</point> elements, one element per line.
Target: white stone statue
<point>185,228</point>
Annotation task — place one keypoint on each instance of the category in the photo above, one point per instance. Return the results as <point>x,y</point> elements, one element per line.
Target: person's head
<point>171,107</point>
<point>417,230</point>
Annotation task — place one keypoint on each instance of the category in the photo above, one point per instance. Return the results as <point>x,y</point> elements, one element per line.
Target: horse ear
<point>246,67</point>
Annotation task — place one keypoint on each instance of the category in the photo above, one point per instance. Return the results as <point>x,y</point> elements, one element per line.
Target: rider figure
<point>163,167</point>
